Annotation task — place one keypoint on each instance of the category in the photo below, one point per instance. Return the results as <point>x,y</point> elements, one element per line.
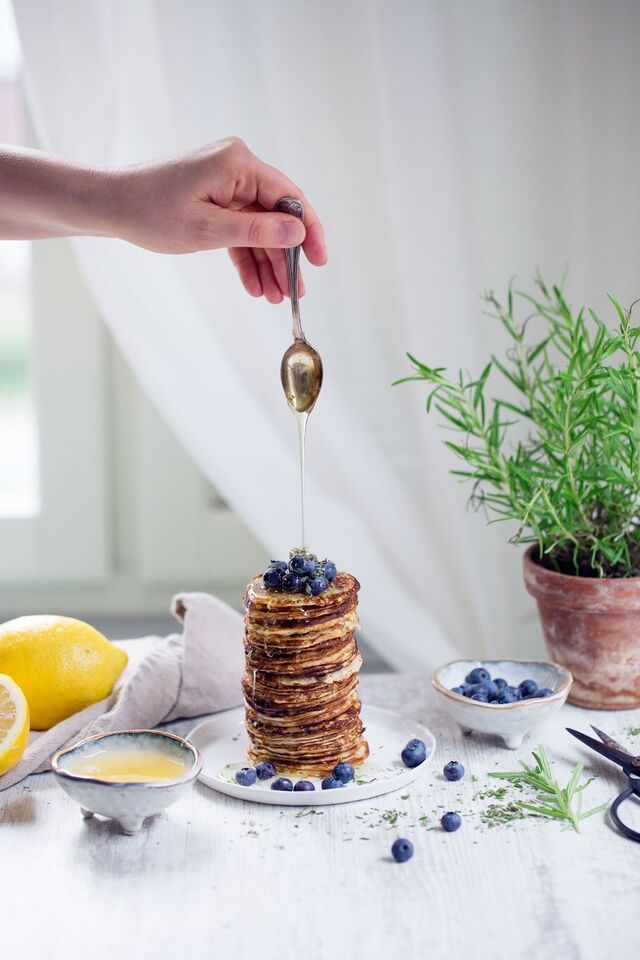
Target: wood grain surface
<point>215,877</point>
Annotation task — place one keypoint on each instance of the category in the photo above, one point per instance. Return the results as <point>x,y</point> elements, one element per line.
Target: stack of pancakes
<point>301,677</point>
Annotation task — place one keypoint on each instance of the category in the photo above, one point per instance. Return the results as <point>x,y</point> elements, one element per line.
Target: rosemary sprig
<point>554,801</point>
<point>548,434</point>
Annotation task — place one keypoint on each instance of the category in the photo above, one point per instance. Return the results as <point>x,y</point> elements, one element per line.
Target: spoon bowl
<point>301,376</point>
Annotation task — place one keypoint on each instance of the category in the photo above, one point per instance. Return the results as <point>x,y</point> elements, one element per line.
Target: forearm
<point>43,196</point>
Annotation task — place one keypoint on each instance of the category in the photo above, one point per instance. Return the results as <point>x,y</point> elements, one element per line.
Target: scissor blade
<point>610,742</point>
<point>611,753</point>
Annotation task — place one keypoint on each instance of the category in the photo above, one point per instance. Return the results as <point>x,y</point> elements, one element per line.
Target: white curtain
<point>447,146</point>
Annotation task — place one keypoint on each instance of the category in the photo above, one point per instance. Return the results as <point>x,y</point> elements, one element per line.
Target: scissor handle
<point>622,827</point>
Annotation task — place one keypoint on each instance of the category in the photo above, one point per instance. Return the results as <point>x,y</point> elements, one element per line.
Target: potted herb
<point>557,452</point>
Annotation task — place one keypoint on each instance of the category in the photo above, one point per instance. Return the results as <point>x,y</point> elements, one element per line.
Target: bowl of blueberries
<point>506,698</point>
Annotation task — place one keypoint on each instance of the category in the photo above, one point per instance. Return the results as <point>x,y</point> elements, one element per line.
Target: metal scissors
<point>613,751</point>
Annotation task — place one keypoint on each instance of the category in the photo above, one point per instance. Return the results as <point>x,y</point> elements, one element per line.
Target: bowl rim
<point>191,774</point>
<point>557,695</point>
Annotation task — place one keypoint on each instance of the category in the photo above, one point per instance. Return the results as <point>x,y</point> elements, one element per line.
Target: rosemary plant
<point>557,449</point>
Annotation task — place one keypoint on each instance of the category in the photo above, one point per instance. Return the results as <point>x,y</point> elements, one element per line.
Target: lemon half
<point>14,723</point>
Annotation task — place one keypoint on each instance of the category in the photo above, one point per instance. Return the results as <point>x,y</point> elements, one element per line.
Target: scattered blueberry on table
<point>451,822</point>
<point>282,783</point>
<point>304,573</point>
<point>344,772</point>
<point>246,776</point>
<point>402,850</point>
<point>265,770</point>
<point>479,686</point>
<point>303,785</point>
<point>414,753</point>
<point>330,783</point>
<point>453,770</point>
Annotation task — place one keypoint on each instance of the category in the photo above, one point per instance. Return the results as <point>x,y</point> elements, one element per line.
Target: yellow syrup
<point>128,766</point>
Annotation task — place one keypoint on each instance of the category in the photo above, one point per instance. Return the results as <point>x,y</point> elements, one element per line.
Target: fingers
<point>271,186</point>
<point>244,261</point>
<point>252,228</point>
<point>270,285</point>
<point>279,266</point>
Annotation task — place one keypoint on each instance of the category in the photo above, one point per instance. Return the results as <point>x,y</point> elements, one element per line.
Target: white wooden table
<point>221,878</point>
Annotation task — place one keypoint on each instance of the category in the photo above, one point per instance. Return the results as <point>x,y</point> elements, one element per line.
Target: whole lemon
<point>62,665</point>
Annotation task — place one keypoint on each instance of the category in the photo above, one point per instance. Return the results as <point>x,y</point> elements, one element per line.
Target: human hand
<point>221,195</point>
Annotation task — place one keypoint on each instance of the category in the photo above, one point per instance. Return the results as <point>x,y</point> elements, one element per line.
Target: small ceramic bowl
<point>128,803</point>
<point>509,721</point>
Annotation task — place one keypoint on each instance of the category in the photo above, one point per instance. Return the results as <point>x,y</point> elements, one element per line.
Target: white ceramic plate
<point>222,742</point>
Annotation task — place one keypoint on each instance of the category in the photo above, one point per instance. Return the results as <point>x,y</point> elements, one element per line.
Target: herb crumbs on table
<point>496,814</point>
<point>633,731</point>
<point>405,796</point>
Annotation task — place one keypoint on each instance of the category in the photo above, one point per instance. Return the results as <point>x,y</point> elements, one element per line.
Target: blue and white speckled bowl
<point>128,803</point>
<point>509,721</point>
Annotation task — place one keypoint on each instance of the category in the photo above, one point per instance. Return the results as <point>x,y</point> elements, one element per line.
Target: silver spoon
<point>301,366</point>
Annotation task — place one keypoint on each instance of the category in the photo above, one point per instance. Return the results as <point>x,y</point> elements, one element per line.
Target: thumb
<point>244,228</point>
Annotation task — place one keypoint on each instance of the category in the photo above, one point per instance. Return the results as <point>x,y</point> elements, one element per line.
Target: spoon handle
<point>292,256</point>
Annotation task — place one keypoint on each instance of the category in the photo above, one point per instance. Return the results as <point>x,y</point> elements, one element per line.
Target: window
<point>19,487</point>
<point>89,523</point>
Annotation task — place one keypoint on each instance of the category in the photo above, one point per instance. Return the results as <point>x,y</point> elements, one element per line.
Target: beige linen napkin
<point>166,679</point>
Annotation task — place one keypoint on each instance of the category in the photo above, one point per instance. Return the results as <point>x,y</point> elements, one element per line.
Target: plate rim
<point>367,791</point>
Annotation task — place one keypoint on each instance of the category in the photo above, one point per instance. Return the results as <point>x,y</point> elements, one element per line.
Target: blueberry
<point>482,688</point>
<point>479,675</point>
<point>451,822</point>
<point>543,692</point>
<point>279,565</point>
<point>272,578</point>
<point>282,783</point>
<point>458,690</point>
<point>303,566</point>
<point>516,691</point>
<point>304,785</point>
<point>330,783</point>
<point>246,777</point>
<point>317,585</point>
<point>402,850</point>
<point>528,689</point>
<point>493,690</point>
<point>500,683</point>
<point>480,697</point>
<point>329,569</point>
<point>343,772</point>
<point>291,582</point>
<point>414,753</point>
<point>453,770</point>
<point>505,696</point>
<point>265,770</point>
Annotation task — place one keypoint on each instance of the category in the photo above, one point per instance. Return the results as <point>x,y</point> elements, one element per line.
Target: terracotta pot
<point>591,626</point>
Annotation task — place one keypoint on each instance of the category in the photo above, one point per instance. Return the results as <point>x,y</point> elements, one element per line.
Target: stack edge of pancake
<point>300,680</point>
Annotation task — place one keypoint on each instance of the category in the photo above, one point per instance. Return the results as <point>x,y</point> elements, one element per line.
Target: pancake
<point>302,710</point>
